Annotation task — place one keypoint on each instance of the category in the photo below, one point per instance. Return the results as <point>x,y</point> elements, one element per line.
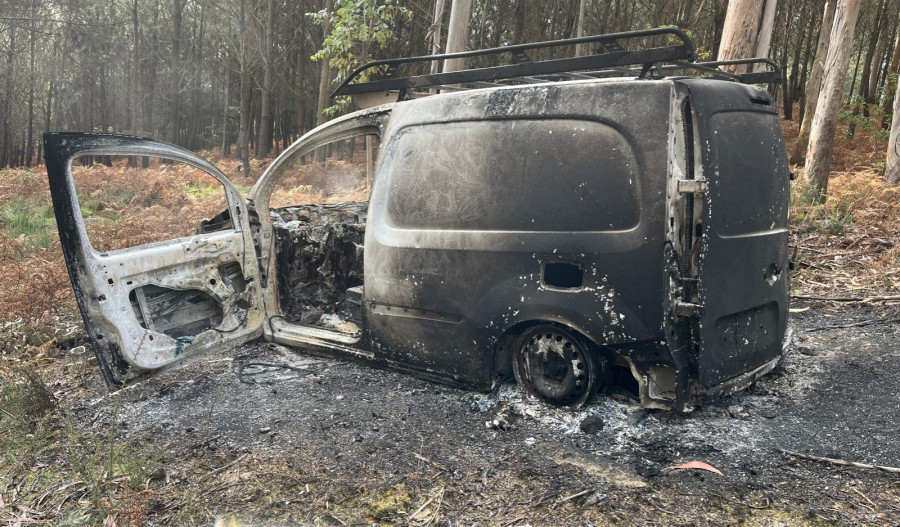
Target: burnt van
<point>561,221</point>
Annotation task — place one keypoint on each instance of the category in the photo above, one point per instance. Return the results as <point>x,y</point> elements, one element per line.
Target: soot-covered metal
<point>566,234</point>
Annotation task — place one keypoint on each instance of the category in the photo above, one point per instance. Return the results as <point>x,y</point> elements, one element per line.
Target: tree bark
<point>821,138</point>
<point>747,31</point>
<point>813,87</point>
<point>266,128</point>
<point>892,162</point>
<point>766,29</point>
<point>458,32</point>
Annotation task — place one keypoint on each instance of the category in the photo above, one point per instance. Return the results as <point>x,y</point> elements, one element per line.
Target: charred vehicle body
<point>548,225</point>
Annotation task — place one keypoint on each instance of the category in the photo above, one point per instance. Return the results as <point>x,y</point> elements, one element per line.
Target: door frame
<point>124,349</point>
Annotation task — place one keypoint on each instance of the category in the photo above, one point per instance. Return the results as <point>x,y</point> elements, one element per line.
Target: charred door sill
<point>295,333</point>
<point>395,311</point>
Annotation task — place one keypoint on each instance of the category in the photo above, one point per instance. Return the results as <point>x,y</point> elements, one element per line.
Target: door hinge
<point>692,186</point>
<point>685,309</point>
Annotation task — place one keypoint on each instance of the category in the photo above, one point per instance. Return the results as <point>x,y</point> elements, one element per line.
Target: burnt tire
<point>558,366</point>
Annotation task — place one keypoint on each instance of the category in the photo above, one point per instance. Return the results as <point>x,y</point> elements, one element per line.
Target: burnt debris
<point>319,250</point>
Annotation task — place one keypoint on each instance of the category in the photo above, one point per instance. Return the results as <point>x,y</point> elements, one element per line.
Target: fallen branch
<point>859,324</point>
<point>848,298</point>
<point>576,495</point>
<point>438,466</point>
<point>840,462</point>
<point>222,468</point>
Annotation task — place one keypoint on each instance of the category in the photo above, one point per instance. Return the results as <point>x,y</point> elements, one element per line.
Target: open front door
<point>152,305</point>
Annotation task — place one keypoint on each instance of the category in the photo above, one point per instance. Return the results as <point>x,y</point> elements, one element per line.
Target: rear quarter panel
<point>457,239</point>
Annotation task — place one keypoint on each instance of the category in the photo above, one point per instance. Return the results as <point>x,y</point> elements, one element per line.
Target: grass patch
<point>29,221</point>
<point>94,477</point>
<point>195,190</point>
<point>812,212</point>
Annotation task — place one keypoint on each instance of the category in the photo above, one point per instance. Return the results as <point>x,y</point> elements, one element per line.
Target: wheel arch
<point>504,347</point>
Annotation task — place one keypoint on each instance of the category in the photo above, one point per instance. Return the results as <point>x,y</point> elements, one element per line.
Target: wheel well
<point>503,350</point>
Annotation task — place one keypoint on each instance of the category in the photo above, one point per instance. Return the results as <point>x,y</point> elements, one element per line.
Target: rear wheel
<point>558,366</point>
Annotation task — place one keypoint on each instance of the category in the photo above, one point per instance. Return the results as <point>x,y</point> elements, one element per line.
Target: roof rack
<point>608,58</point>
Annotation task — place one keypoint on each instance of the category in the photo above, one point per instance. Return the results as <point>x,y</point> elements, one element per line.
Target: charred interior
<point>319,251</point>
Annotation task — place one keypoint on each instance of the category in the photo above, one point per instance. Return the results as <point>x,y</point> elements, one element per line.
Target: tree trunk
<point>870,52</point>
<point>301,79</point>
<point>152,63</point>
<point>6,145</point>
<point>767,26</point>
<point>747,31</point>
<point>324,70</point>
<point>458,32</point>
<point>883,75</point>
<point>875,67</point>
<point>851,128</point>
<point>244,132</point>
<point>794,78</point>
<point>136,127</point>
<point>892,163</point>
<point>519,32</point>
<point>582,6</point>
<point>51,86</point>
<point>246,93</point>
<point>266,128</point>
<point>29,142</point>
<point>226,144</point>
<point>785,85</point>
<point>435,33</point>
<point>813,87</point>
<point>890,82</point>
<point>821,137</point>
<point>175,80</point>
<point>805,71</point>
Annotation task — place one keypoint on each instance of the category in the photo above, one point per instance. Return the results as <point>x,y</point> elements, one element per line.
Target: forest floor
<point>268,436</point>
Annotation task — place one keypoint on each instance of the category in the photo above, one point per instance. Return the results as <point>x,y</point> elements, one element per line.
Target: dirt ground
<point>272,436</point>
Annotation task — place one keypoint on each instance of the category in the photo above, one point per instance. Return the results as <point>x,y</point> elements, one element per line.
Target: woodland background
<point>239,80</point>
<point>254,74</point>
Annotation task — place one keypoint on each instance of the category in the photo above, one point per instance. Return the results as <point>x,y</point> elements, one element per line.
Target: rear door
<point>147,307</point>
<point>743,273</point>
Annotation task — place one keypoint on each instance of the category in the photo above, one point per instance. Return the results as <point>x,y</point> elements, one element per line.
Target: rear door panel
<point>743,278</point>
<point>147,307</point>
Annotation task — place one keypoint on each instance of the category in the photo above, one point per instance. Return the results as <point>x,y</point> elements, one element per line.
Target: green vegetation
<point>812,212</point>
<point>194,190</point>
<point>103,473</point>
<point>360,28</point>
<point>28,220</point>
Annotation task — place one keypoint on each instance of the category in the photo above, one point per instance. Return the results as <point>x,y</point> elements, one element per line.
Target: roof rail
<point>608,58</point>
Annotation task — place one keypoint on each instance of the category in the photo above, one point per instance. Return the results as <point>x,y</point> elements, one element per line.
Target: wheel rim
<point>554,365</point>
